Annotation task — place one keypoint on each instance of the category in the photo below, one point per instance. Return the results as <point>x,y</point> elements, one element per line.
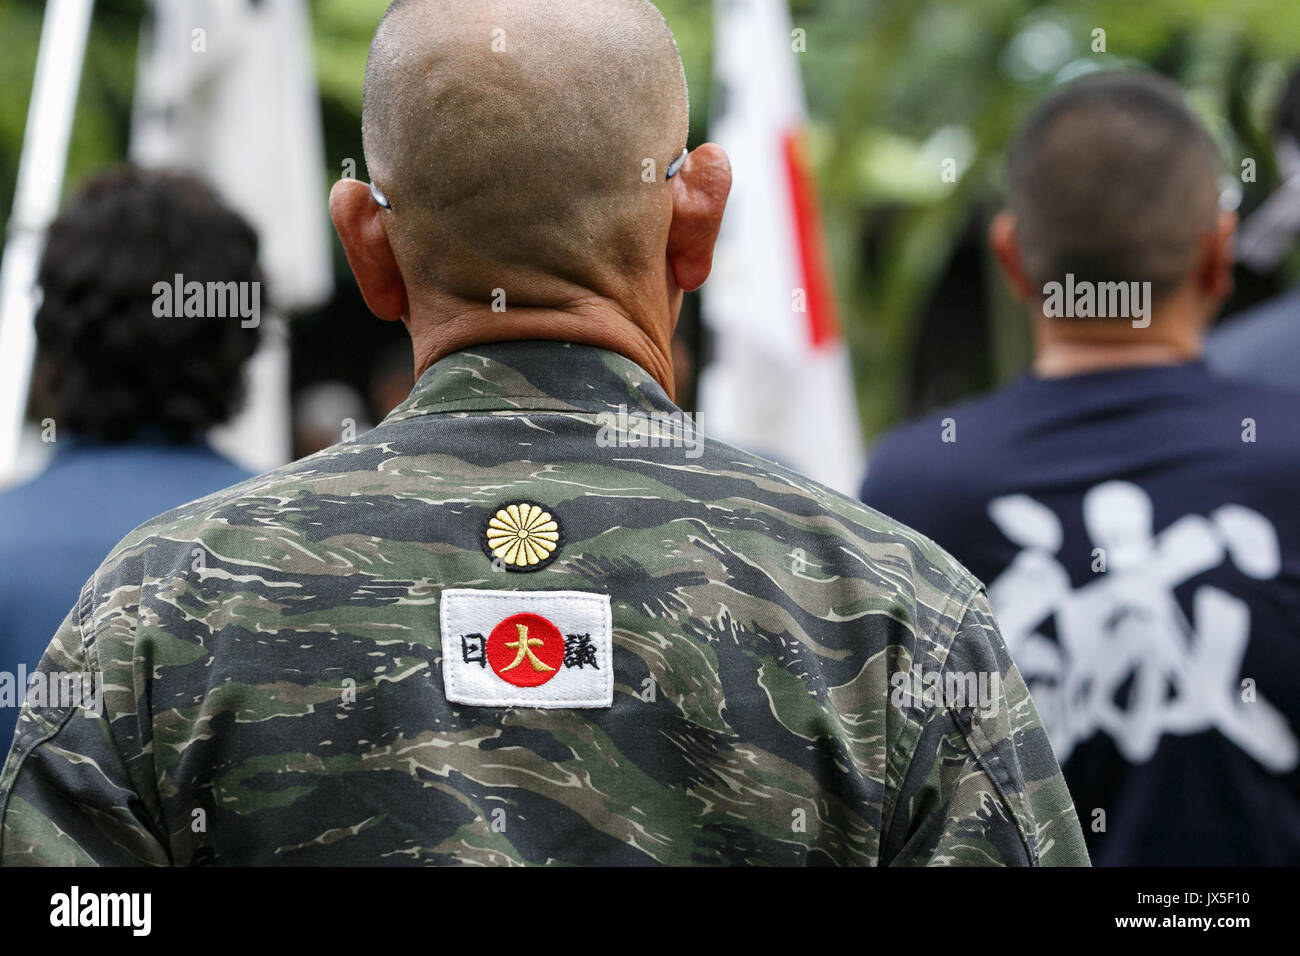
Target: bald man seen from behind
<point>534,616</point>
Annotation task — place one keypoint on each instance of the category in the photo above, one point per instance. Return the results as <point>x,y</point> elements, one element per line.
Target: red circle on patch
<point>526,650</point>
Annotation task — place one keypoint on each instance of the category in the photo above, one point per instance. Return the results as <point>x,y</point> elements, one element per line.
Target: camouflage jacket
<point>770,672</point>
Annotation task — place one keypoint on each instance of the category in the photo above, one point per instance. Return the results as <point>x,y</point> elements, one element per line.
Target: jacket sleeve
<point>982,786</point>
<point>67,796</point>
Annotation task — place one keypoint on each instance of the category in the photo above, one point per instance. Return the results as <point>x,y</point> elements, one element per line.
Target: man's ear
<point>699,191</point>
<point>1217,257</point>
<point>1006,249</point>
<point>361,225</point>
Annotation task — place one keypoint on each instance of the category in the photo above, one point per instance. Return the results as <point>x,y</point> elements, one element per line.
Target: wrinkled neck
<point>444,328</point>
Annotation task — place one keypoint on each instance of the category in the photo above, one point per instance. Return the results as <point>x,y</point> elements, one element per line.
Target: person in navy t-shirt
<point>1135,519</point>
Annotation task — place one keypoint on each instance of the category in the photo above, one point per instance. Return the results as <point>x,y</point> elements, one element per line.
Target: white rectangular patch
<point>527,648</point>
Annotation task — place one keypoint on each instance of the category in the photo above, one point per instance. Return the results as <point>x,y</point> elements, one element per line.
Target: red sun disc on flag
<point>526,650</point>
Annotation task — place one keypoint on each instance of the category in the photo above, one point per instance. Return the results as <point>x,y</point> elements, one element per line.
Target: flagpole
<point>36,200</point>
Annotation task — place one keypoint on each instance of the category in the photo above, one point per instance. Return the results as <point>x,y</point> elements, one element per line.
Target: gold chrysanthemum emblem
<point>523,535</point>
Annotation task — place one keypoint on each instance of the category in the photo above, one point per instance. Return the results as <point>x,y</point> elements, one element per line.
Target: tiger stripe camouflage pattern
<point>272,689</point>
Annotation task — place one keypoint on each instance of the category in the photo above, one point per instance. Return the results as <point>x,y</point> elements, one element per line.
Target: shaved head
<point>521,140</point>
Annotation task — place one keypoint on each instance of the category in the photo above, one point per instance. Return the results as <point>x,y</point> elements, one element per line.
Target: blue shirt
<point>1139,532</point>
<point>55,529</point>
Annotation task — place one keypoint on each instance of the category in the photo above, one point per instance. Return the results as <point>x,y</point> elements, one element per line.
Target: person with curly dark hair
<point>133,375</point>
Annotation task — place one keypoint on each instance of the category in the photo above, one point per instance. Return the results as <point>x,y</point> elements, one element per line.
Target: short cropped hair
<point>112,368</point>
<point>1113,179</point>
<point>503,166</point>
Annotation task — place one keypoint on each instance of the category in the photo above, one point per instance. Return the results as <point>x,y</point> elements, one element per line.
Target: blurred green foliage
<point>922,82</point>
<point>895,87</point>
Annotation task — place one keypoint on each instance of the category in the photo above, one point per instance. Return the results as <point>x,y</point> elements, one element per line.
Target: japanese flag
<point>780,383</point>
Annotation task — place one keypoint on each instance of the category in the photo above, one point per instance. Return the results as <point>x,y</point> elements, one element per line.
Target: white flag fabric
<point>227,89</point>
<point>780,383</point>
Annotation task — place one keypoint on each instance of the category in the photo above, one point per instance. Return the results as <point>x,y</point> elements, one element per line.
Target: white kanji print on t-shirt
<point>1126,626</point>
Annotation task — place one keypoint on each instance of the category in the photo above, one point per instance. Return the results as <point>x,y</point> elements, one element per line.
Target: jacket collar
<point>533,376</point>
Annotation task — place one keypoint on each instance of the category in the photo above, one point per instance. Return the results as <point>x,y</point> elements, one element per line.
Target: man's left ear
<point>699,191</point>
<point>364,231</point>
<point>1217,257</point>
<point>1005,244</point>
